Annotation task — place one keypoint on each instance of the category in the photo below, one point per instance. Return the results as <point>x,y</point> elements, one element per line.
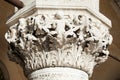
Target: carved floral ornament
<point>44,40</point>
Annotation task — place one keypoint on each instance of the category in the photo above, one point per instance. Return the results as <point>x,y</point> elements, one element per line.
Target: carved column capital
<point>75,41</point>
<point>58,38</point>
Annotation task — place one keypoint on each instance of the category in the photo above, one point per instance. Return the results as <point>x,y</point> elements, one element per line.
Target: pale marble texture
<point>59,36</point>
<point>42,41</point>
<point>58,73</point>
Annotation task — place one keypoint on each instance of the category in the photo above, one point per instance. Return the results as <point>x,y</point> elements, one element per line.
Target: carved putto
<point>58,41</point>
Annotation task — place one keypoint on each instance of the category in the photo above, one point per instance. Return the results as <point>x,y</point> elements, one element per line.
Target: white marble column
<point>59,40</point>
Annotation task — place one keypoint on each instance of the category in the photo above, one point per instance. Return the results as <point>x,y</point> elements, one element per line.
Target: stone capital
<point>46,37</point>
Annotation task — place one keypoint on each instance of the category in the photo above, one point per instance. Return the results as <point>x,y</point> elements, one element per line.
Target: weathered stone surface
<point>58,73</point>
<point>75,41</point>
<point>64,38</point>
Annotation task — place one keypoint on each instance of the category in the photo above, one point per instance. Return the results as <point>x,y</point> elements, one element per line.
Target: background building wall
<point>110,70</point>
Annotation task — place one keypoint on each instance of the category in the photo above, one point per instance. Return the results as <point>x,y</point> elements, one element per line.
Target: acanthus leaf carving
<point>44,41</point>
